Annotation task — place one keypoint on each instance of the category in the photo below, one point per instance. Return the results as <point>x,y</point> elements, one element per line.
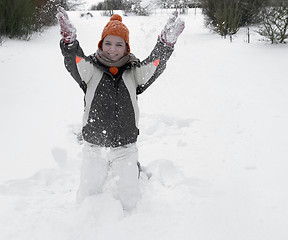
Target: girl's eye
<point>107,43</point>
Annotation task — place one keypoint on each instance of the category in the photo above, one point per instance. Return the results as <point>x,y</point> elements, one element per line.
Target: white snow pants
<point>121,161</point>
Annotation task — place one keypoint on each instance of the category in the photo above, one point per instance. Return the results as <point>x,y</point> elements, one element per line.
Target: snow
<point>213,134</point>
<point>89,3</point>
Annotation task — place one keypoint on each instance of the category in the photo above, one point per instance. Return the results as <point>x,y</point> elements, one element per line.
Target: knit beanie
<point>117,28</point>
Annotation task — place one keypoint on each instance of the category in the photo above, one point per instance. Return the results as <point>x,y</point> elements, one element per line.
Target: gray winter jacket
<point>111,110</point>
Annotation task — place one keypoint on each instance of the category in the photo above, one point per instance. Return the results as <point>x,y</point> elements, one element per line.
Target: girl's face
<point>114,47</point>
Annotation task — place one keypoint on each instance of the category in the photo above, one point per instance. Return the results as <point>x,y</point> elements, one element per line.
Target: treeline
<point>21,18</point>
<point>141,7</point>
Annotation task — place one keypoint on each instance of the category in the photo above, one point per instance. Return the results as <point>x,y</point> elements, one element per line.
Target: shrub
<point>21,18</point>
<point>274,23</point>
<point>17,18</point>
<point>46,11</point>
<point>250,10</point>
<point>228,19</point>
<point>223,15</point>
<point>227,16</point>
<point>99,6</point>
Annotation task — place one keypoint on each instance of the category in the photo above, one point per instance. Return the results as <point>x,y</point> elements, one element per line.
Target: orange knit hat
<point>117,28</point>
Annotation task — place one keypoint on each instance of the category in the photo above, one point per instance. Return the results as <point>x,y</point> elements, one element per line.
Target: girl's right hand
<point>68,31</point>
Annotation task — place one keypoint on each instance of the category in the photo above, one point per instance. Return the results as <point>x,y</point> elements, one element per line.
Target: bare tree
<point>275,23</point>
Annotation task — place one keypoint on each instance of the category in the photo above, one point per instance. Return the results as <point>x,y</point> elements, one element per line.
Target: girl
<point>111,79</point>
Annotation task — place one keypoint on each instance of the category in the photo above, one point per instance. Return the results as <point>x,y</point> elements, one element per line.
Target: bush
<point>227,16</point>
<point>21,18</point>
<point>17,18</point>
<point>108,5</point>
<point>250,10</point>
<point>228,19</point>
<point>99,6</point>
<point>274,23</point>
<point>46,11</point>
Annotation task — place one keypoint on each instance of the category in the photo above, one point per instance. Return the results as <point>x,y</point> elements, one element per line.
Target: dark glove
<point>173,28</point>
<point>68,31</point>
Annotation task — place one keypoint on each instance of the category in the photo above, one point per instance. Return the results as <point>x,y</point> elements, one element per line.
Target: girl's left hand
<point>172,29</point>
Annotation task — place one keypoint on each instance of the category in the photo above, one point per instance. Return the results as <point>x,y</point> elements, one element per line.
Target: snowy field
<point>213,132</point>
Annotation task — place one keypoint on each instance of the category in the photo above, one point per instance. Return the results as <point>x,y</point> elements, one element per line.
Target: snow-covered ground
<point>213,131</point>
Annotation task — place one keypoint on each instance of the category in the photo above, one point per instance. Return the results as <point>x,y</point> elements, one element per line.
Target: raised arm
<point>172,30</point>
<point>72,52</point>
<point>155,64</point>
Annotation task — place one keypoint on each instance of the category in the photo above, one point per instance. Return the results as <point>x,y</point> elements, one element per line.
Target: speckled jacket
<point>111,111</point>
